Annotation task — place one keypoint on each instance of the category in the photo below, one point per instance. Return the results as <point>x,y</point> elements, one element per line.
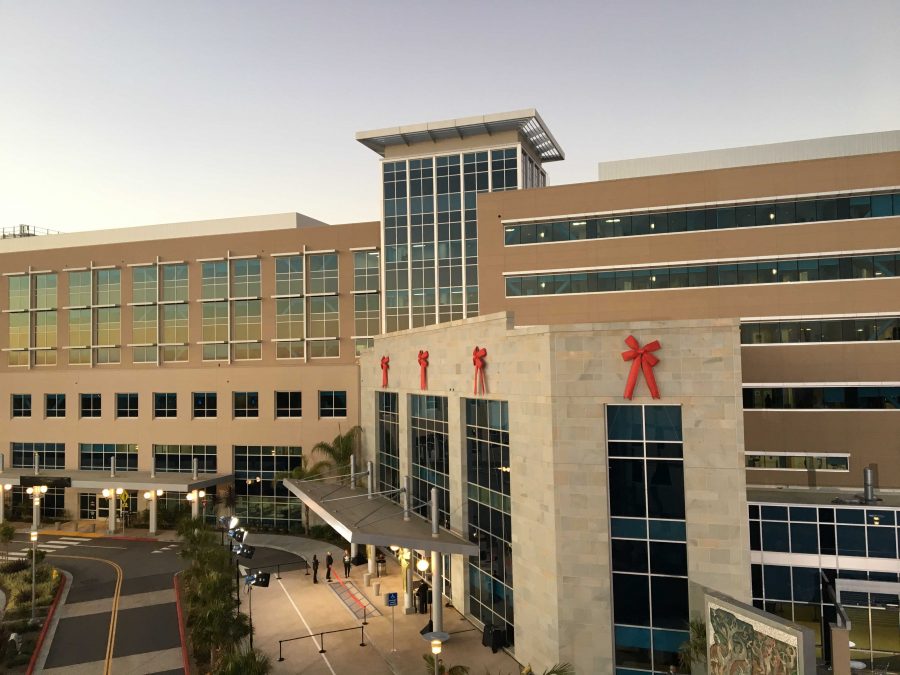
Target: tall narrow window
<point>289,315</point>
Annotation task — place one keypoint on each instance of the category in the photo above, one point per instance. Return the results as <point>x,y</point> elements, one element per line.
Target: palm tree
<point>435,667</point>
<point>227,497</point>
<point>693,650</point>
<point>304,472</point>
<point>245,661</point>
<point>7,532</point>
<point>340,450</point>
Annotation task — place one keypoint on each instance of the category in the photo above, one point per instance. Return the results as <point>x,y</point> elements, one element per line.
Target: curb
<point>40,641</point>
<point>184,651</point>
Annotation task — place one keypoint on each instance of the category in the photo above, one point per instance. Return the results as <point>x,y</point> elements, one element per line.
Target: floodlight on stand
<point>245,551</point>
<point>422,565</point>
<point>233,523</point>
<point>260,579</point>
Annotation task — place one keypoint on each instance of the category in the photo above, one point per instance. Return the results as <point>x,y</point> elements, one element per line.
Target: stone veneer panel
<point>557,381</point>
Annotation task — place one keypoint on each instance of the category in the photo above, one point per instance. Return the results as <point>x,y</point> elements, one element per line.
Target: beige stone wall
<point>557,381</point>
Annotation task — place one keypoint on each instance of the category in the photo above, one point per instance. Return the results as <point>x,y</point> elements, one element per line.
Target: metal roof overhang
<point>139,480</point>
<point>528,122</point>
<point>377,521</point>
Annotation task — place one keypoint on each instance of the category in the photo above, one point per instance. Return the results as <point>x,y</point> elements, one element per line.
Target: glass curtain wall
<point>430,236</point>
<point>261,498</point>
<point>388,443</point>
<point>490,574</point>
<point>648,536</point>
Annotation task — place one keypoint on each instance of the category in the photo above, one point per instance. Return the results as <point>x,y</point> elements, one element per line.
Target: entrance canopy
<point>130,480</point>
<point>377,521</point>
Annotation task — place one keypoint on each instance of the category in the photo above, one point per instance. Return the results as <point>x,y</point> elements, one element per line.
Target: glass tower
<point>431,177</point>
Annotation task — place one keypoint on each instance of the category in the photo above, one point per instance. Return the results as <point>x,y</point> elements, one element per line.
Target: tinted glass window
<point>626,487</point>
<point>635,591</point>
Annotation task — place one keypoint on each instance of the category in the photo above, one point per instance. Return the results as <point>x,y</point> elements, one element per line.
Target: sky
<point>114,114</point>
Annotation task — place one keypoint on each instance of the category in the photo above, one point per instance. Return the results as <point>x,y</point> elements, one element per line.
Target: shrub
<point>14,566</point>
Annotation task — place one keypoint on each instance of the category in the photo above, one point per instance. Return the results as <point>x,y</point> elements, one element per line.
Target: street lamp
<point>36,492</point>
<point>4,488</point>
<point>436,650</point>
<point>34,538</point>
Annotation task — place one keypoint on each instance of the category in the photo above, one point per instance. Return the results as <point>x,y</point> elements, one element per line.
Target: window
<point>289,275</point>
<point>214,280</point>
<point>19,292</point>
<point>323,273</point>
<point>144,329</point>
<point>365,271</point>
<point>289,328</point>
<point>332,404</point>
<point>90,405</point>
<point>143,284</point>
<point>287,404</point>
<point>388,443</point>
<point>215,329</point>
<point>808,398</point>
<point>247,329</point>
<point>180,458</point>
<point>800,461</point>
<point>324,317</point>
<point>261,499</point>
<point>79,289</point>
<point>108,287</point>
<point>366,315</point>
<point>126,405</point>
<point>49,455</point>
<point>175,282</point>
<point>165,405</point>
<point>245,278</point>
<point>246,404</point>
<point>55,405</point>
<point>205,404</point>
<point>175,332</point>
<point>99,456</point>
<point>45,291</point>
<point>724,274</point>
<point>21,405</point>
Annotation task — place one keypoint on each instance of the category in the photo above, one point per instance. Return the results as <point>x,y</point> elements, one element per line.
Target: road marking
<point>64,542</point>
<point>114,616</point>
<point>16,554</point>
<point>51,547</point>
<point>309,630</point>
<point>76,540</point>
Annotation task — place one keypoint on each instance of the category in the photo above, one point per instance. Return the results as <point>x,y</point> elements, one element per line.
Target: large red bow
<point>478,355</point>
<point>423,368</point>
<point>641,359</point>
<point>384,371</point>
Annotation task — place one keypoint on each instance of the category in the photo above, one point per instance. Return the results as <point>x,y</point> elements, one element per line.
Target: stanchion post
<point>364,623</point>
<point>278,571</point>
<point>280,657</point>
<point>321,643</point>
<point>362,636</point>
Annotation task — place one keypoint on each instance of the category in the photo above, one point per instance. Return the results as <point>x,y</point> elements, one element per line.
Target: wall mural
<point>741,645</point>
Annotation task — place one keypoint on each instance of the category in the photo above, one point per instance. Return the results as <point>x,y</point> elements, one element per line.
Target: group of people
<point>329,563</point>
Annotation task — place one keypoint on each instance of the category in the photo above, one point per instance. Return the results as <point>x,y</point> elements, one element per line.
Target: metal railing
<point>18,231</point>
<point>321,635</point>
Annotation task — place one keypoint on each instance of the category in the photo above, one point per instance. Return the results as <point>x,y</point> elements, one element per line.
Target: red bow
<point>641,359</point>
<point>384,371</point>
<point>423,368</point>
<point>478,355</point>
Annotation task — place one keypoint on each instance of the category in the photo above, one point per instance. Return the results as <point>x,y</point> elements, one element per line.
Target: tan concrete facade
<point>557,381</point>
<point>265,239</point>
<point>764,365</point>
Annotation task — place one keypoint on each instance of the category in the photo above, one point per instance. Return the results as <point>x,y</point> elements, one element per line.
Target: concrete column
<point>111,521</point>
<point>840,649</point>
<point>152,505</point>
<point>2,504</point>
<point>408,597</point>
<point>437,605</point>
<point>354,550</point>
<point>35,511</point>
<point>195,504</point>
<point>407,496</point>
<point>370,553</point>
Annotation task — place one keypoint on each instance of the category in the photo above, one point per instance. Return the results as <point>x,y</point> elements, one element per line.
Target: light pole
<point>34,537</point>
<point>436,650</point>
<point>36,493</point>
<point>3,490</point>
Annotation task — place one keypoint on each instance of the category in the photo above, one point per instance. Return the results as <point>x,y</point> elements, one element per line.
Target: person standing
<point>347,561</point>
<point>329,561</point>
<point>315,566</point>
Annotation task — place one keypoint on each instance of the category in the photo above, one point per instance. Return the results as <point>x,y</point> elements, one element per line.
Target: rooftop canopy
<point>528,122</point>
<point>377,521</point>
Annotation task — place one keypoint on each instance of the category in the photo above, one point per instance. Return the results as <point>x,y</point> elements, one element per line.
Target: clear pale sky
<point>126,113</point>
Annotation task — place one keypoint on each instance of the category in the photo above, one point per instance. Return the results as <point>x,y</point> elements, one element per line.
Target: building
<point>768,276</point>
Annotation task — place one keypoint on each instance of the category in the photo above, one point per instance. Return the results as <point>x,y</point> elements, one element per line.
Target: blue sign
<point>391,599</point>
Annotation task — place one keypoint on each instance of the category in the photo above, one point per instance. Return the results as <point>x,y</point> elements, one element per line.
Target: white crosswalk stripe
<point>17,554</point>
<point>63,542</point>
<point>49,547</point>
<point>74,540</point>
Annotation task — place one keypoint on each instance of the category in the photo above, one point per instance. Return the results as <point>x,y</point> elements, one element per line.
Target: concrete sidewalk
<point>293,606</point>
